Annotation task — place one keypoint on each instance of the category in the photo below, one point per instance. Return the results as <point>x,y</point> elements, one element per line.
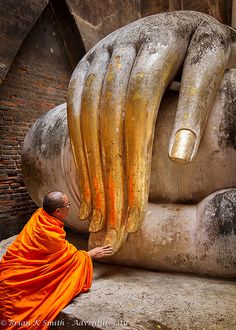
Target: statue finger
<point>112,139</point>
<point>75,90</point>
<point>204,67</point>
<point>155,67</point>
<point>90,104</point>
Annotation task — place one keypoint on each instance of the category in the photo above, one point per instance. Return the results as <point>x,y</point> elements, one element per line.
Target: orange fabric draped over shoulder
<point>40,273</point>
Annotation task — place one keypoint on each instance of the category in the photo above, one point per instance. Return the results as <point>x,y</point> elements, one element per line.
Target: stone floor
<point>127,298</point>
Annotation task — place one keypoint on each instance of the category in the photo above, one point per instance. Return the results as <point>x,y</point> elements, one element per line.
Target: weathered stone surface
<point>169,238</point>
<point>17,19</point>
<point>128,298</point>
<point>187,239</point>
<point>96,19</point>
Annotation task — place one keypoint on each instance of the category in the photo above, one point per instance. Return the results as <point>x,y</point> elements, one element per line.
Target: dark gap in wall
<point>69,31</point>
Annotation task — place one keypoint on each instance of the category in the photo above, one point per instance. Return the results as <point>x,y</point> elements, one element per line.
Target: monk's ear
<point>56,212</point>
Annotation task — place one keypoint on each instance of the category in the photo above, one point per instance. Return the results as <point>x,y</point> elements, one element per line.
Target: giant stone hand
<point>113,100</point>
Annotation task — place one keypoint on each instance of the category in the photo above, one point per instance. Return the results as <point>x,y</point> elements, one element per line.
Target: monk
<point>41,271</point>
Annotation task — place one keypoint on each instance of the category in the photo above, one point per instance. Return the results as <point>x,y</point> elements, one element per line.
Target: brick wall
<point>37,81</point>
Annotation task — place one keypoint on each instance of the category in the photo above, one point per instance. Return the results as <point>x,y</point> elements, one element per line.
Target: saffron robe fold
<point>40,273</point>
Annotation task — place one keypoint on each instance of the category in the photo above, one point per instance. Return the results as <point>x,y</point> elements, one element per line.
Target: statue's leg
<point>215,237</point>
<point>186,238</point>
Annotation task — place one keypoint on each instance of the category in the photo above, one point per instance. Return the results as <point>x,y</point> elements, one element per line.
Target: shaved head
<point>53,200</point>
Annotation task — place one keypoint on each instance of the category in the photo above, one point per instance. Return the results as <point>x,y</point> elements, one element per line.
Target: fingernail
<point>183,145</point>
<point>97,221</point>
<point>134,220</point>
<point>84,210</point>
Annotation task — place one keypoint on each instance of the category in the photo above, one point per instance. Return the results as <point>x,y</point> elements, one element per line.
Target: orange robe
<point>40,273</point>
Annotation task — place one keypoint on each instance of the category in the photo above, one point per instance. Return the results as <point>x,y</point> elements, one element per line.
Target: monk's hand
<point>113,101</point>
<point>101,251</point>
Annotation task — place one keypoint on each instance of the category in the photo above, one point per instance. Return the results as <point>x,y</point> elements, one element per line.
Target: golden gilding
<point>183,146</point>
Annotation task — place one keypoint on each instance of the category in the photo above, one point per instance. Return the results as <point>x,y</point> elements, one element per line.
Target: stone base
<point>128,298</point>
<point>123,298</point>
